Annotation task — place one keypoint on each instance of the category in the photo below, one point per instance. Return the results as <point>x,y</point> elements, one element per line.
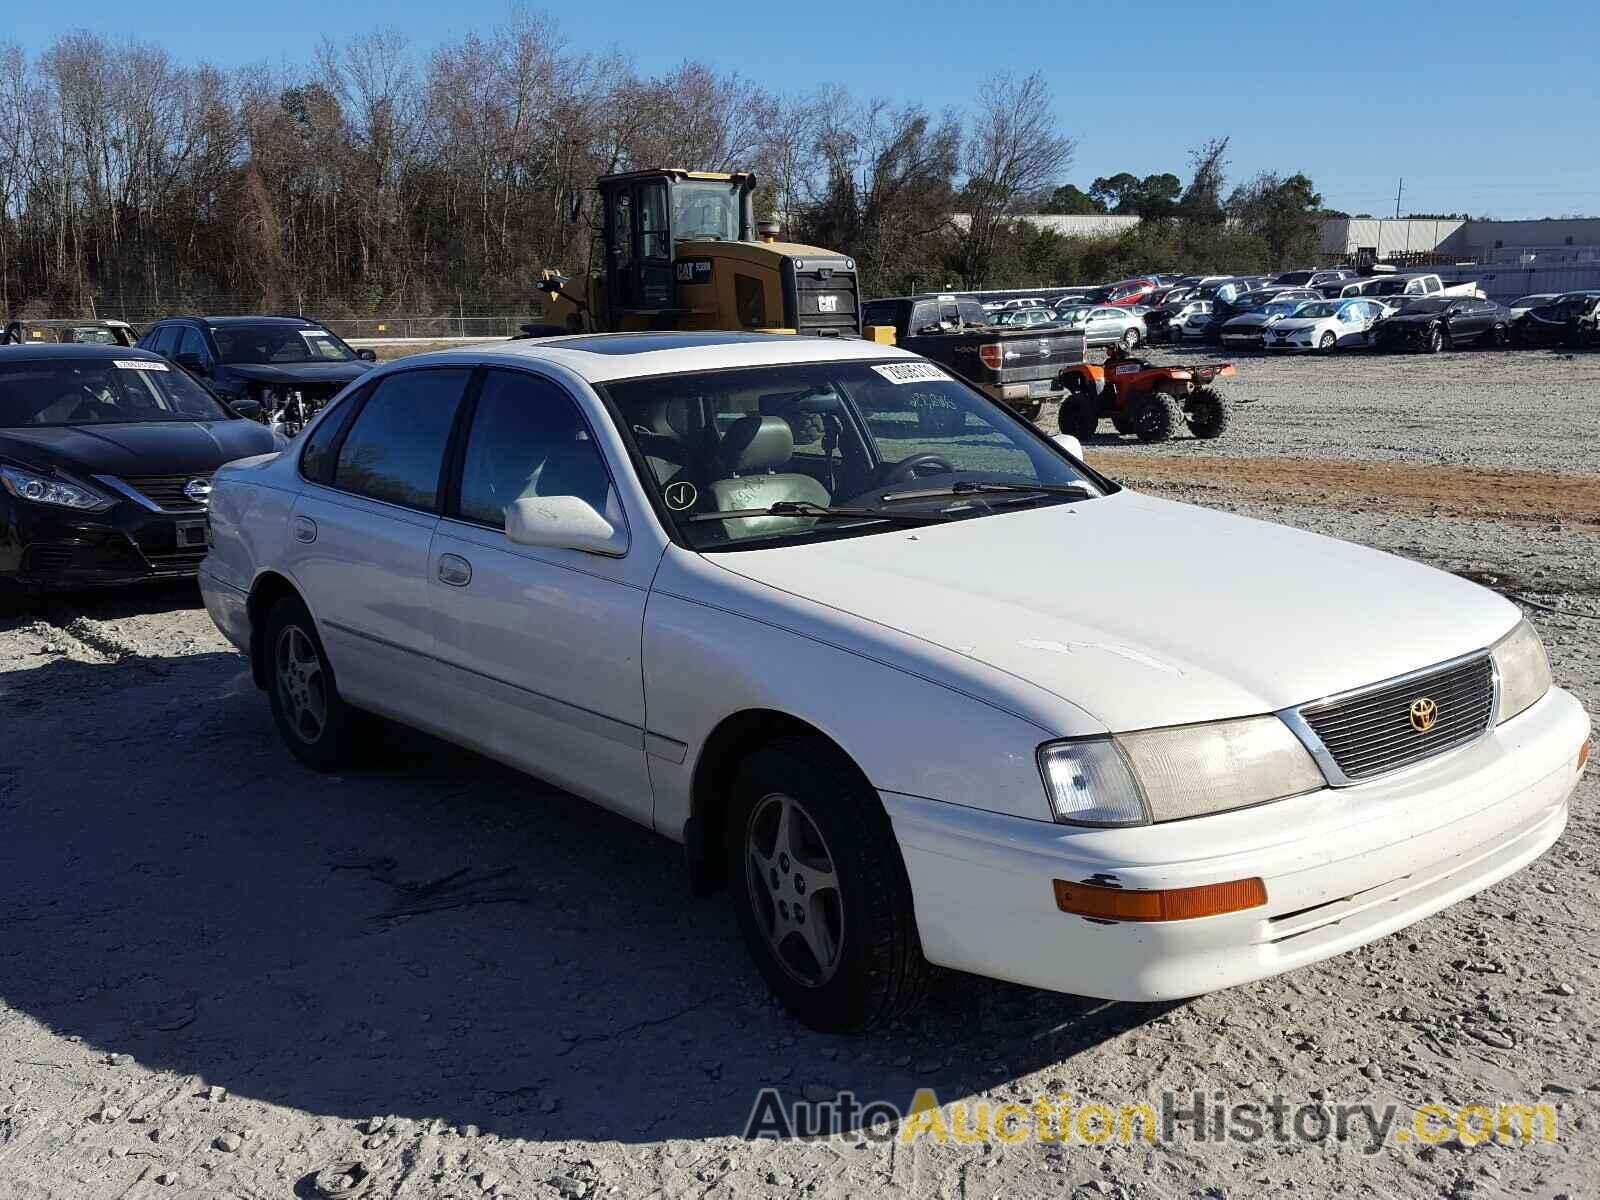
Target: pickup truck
<point>1014,365</point>
<point>1414,284</point>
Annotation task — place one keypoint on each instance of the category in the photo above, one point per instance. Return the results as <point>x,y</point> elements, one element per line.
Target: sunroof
<point>645,343</point>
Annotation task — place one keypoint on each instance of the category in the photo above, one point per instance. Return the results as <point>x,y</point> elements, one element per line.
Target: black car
<point>1434,324</point>
<point>1569,320</point>
<point>291,367</point>
<point>106,456</point>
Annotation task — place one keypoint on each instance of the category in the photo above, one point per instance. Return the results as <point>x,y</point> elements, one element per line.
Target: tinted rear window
<point>395,449</point>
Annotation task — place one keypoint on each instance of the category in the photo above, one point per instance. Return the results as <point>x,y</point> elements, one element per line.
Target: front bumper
<point>1294,344</point>
<point>1341,867</point>
<point>46,547</point>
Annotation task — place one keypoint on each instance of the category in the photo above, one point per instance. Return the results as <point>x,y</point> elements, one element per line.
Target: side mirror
<point>1069,443</point>
<point>366,355</point>
<point>244,407</point>
<point>191,362</point>
<point>563,523</point>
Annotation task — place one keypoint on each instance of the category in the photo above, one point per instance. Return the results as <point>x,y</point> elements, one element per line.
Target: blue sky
<point>1482,107</point>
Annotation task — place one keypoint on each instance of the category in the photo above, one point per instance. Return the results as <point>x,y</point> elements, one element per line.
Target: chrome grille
<point>166,491</point>
<point>1371,732</point>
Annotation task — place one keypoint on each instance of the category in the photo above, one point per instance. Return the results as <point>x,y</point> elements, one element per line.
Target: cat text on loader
<point>680,250</point>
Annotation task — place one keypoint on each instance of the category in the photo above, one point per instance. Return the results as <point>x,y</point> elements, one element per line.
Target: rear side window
<point>166,339</point>
<point>316,456</point>
<point>395,449</point>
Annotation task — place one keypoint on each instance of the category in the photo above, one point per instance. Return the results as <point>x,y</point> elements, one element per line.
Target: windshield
<point>704,209</point>
<point>1293,277</point>
<point>1422,306</point>
<point>892,442</point>
<point>258,345</point>
<point>1280,309</point>
<point>100,392</point>
<point>1317,310</point>
<point>1532,301</point>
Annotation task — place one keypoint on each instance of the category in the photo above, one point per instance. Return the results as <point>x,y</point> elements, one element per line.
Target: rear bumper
<point>1023,394</point>
<point>228,608</point>
<point>1341,868</point>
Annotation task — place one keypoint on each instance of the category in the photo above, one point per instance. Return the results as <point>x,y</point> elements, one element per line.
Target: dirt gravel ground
<point>221,974</point>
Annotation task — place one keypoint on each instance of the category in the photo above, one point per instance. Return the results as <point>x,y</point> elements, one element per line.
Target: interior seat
<point>753,453</point>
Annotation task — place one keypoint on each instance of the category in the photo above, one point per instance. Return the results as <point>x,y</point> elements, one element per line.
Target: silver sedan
<point>1105,325</point>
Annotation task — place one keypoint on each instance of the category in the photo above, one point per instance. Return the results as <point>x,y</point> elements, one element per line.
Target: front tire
<point>1078,417</point>
<point>1157,417</point>
<point>1327,342</point>
<point>1435,342</point>
<point>1495,337</point>
<point>820,890</point>
<point>312,718</point>
<point>1130,338</point>
<point>1207,413</point>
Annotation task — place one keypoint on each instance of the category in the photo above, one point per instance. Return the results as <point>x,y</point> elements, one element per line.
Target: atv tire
<point>1078,416</point>
<point>1207,413</point>
<point>1157,417</point>
<point>1122,421</point>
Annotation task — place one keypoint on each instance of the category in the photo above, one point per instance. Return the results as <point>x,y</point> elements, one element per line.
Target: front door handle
<point>454,570</point>
<point>305,529</point>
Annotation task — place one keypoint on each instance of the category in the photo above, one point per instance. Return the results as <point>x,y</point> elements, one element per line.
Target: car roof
<point>599,357</point>
<point>224,322</point>
<point>90,350</point>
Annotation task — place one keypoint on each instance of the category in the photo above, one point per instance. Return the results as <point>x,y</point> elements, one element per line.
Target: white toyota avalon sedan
<point>914,691</point>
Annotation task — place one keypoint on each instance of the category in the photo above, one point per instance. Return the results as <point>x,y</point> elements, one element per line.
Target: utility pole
<point>1398,193</point>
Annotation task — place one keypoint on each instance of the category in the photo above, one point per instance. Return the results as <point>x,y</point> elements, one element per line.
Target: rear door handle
<point>305,529</point>
<point>454,570</point>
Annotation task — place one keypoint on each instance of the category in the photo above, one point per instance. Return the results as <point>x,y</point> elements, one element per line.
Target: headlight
<point>52,489</point>
<point>1524,670</point>
<point>1170,774</point>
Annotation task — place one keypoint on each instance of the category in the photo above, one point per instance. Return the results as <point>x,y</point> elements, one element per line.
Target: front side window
<point>528,439</point>
<point>395,449</point>
<point>100,392</point>
<point>258,345</point>
<point>704,209</point>
<point>890,444</point>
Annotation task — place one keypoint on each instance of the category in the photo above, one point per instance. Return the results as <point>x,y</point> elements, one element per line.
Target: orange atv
<point>1142,398</point>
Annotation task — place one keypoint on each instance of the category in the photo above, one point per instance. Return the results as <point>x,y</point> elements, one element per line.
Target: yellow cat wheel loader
<point>681,250</point>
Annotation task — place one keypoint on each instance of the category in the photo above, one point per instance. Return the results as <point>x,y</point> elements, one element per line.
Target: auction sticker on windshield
<point>139,364</point>
<point>910,372</point>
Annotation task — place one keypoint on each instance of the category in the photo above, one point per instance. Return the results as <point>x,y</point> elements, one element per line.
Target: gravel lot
<point>221,974</point>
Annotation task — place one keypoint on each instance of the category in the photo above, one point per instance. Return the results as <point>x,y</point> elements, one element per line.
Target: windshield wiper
<point>966,487</point>
<point>804,508</point>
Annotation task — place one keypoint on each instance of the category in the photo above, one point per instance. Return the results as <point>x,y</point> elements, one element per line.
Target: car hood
<point>1291,324</point>
<point>289,373</point>
<point>1413,320</point>
<point>1147,612</point>
<point>1251,321</point>
<point>138,447</point>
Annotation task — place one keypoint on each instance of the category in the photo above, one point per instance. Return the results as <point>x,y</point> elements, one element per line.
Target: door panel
<point>359,542</point>
<point>539,649</point>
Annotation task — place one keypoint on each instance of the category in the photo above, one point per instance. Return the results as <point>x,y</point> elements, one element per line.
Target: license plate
<point>828,304</point>
<point>192,534</point>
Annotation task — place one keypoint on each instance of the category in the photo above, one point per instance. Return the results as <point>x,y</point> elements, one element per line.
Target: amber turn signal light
<point>1172,904</point>
<point>1583,755</point>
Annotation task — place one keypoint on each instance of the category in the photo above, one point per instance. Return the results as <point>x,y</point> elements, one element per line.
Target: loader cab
<point>646,215</point>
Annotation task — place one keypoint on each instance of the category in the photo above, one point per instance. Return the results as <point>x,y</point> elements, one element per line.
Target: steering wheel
<point>914,466</point>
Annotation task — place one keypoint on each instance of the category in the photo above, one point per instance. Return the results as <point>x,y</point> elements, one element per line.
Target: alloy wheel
<point>794,889</point>
<point>301,685</point>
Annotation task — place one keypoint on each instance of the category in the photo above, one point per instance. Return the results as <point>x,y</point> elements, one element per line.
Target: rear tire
<point>314,721</point>
<point>807,836</point>
<point>1157,417</point>
<point>1207,413</point>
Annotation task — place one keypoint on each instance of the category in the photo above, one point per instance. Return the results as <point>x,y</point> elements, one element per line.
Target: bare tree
<point>1014,152</point>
